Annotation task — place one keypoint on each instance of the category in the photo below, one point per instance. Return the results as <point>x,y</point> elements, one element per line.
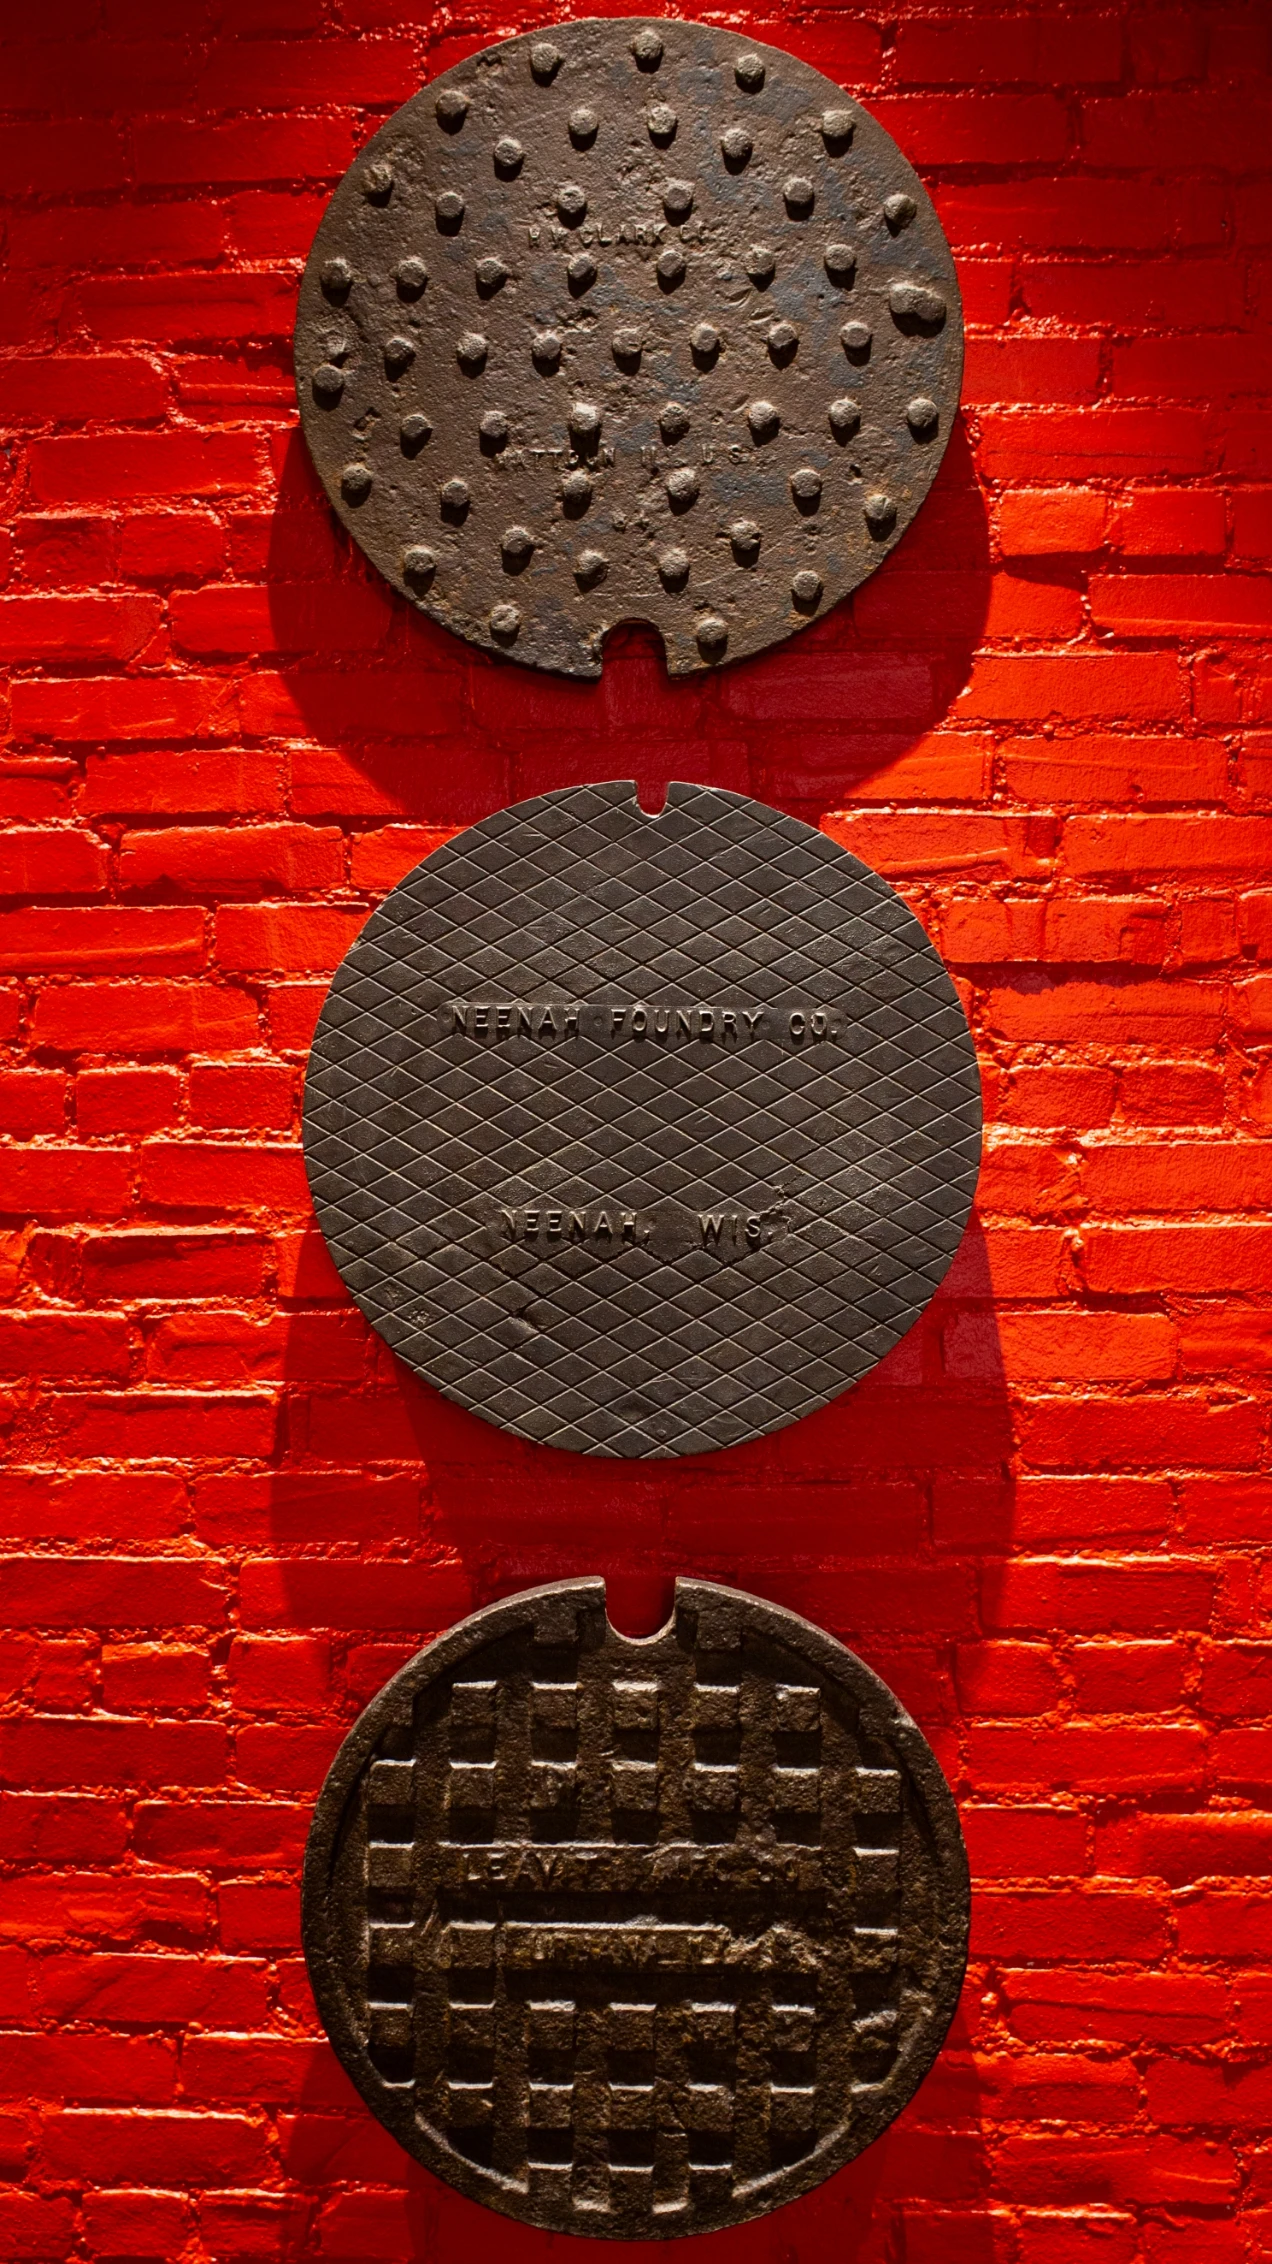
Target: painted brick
<point>114,1987</point>
<point>110,1591</point>
<point>1162,295</point>
<point>205,1262</point>
<point>64,1344</point>
<point>166,938</point>
<point>66,1182</point>
<point>223,1176</point>
<point>129,2223</point>
<point>35,861</point>
<point>1134,2008</point>
<point>93,158</point>
<point>1084,1924</point>
<point>1165,2171</point>
<point>31,1101</point>
<point>230,1514</point>
<point>125,1099</point>
<point>139,1676</point>
<point>1084,1597</point>
<point>110,707</point>
<point>1030,128</point>
<point>280,148</point>
<point>1036,522</point>
<point>367,1594</point>
<point>232,861</point>
<point>246,1835</point>
<point>86,1905</point>
<point>214,2149</point>
<point>285,938</point>
<point>1186,605</point>
<point>164,1425</point>
<point>1122,130</point>
<point>283,618</point>
<point>1138,1011</point>
<point>1252,522</point>
<point>1021,1842</point>
<point>258,1094</point>
<point>76,628</point>
<point>182,309</point>
<point>1128,686</point>
<point>142,1018</point>
<point>1171,522</point>
<point>1092,443</point>
<point>221,779</point>
<point>1072,213</point>
<point>1104,768</point>
<point>105,468</point>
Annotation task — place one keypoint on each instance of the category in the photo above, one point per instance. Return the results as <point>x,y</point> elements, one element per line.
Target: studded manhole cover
<point>632,320</point>
<point>635,1938</point>
<point>642,1135</point>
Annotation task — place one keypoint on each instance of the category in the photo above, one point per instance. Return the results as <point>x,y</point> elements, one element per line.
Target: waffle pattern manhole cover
<point>642,1135</point>
<point>635,1938</point>
<point>628,320</point>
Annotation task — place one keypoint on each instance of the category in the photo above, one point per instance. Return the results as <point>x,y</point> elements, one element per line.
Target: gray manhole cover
<point>628,321</point>
<point>642,1135</point>
<point>635,1938</point>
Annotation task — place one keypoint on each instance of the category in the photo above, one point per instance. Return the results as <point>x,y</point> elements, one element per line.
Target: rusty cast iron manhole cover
<point>628,320</point>
<point>635,1938</point>
<point>642,1135</point>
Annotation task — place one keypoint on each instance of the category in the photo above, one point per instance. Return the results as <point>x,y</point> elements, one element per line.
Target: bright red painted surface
<point>229,1514</point>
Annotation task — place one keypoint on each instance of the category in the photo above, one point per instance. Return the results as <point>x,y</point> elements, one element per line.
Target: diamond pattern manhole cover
<point>642,1135</point>
<point>635,1938</point>
<point>632,320</point>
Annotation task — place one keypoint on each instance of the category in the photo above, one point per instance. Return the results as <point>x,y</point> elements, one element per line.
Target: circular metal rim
<point>684,656</point>
<point>650,1449</point>
<point>831,1658</point>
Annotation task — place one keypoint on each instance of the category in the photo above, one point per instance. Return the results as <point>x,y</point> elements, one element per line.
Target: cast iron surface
<point>635,1938</point>
<point>642,1135</point>
<point>628,320</point>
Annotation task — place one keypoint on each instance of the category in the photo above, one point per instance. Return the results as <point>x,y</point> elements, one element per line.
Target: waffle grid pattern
<point>632,1927</point>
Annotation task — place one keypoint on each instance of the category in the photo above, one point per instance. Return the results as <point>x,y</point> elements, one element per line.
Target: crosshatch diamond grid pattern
<point>635,1938</point>
<point>856,1155</point>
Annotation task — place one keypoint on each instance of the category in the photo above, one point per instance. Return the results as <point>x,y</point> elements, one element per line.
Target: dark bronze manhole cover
<point>642,1135</point>
<point>635,1938</point>
<point>628,321</point>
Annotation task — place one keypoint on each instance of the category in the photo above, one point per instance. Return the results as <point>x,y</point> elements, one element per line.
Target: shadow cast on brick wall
<point>400,718</point>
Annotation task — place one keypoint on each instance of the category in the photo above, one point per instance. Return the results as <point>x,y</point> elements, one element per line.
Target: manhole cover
<point>642,1135</point>
<point>628,321</point>
<point>635,1938</point>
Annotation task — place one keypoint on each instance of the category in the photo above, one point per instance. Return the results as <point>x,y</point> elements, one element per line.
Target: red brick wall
<point>228,1513</point>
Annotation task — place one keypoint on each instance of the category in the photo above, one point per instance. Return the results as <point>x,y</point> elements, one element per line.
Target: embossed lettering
<point>502,1020</point>
<point>739,1228</point>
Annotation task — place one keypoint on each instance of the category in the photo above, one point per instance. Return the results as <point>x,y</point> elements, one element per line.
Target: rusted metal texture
<point>642,1135</point>
<point>635,1938</point>
<point>632,320</point>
